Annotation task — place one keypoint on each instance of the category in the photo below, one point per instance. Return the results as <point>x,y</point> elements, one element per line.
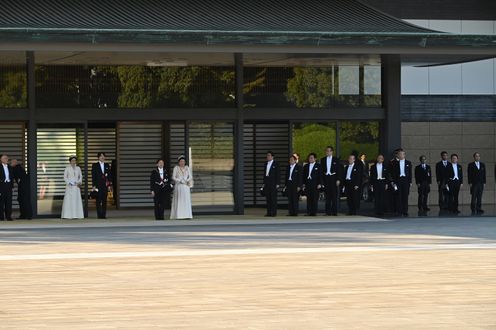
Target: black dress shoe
<point>10,219</point>
<point>480,211</point>
<point>427,209</point>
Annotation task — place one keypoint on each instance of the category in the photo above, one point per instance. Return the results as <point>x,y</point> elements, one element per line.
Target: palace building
<point>224,81</point>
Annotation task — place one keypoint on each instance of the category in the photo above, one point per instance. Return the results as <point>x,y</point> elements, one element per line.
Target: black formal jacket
<point>451,173</point>
<point>423,176</point>
<point>385,173</point>
<point>273,179</point>
<point>157,184</point>
<point>442,172</point>
<point>101,180</point>
<point>296,176</point>
<point>20,176</point>
<point>335,168</point>
<point>395,171</point>
<point>356,175</point>
<point>4,186</point>
<point>316,175</point>
<point>476,175</point>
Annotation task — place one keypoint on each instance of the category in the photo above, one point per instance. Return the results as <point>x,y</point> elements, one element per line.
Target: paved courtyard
<point>233,272</point>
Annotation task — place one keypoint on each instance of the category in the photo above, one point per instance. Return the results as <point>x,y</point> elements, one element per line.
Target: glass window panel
<point>54,146</point>
<point>313,137</point>
<point>372,86</point>
<point>13,80</point>
<point>132,86</point>
<point>211,157</point>
<point>359,138</point>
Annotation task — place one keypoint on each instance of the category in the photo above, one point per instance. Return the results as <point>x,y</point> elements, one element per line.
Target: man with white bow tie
<point>6,185</point>
<point>353,179</point>
<point>401,173</point>
<point>476,180</point>
<point>442,180</point>
<point>423,179</point>
<point>160,188</point>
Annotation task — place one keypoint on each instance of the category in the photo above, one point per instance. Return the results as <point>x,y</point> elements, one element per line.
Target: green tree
<point>310,87</point>
<point>13,93</point>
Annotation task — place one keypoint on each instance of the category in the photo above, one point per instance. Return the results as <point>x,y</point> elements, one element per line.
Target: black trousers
<point>423,195</point>
<point>101,202</point>
<point>454,191</point>
<point>476,202</point>
<point>443,196</point>
<point>271,199</point>
<point>352,197</point>
<point>293,199</point>
<point>312,199</point>
<point>161,201</point>
<point>24,199</point>
<point>331,194</point>
<point>379,196</point>
<point>402,195</point>
<point>6,202</point>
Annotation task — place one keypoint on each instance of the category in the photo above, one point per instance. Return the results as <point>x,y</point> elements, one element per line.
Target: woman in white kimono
<point>72,207</point>
<point>181,199</point>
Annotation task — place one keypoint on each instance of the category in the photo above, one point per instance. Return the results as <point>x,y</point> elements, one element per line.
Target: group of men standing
<point>449,177</point>
<point>11,173</point>
<point>390,183</point>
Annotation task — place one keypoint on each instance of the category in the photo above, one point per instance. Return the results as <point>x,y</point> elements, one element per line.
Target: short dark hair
<point>422,156</point>
<point>330,147</point>
<point>100,154</point>
<point>72,157</point>
<point>454,155</point>
<point>293,156</point>
<point>270,152</point>
<point>312,154</point>
<point>160,159</point>
<point>444,153</point>
<point>475,153</point>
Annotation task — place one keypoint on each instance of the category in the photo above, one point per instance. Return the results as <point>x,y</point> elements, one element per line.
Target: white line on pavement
<point>221,252</point>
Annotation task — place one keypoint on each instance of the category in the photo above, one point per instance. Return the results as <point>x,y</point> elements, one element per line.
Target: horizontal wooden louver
<point>139,146</point>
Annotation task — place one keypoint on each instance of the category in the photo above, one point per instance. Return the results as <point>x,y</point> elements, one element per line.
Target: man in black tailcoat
<point>101,176</point>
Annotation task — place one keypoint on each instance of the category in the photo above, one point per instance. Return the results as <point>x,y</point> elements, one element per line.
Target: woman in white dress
<point>181,199</point>
<point>72,207</point>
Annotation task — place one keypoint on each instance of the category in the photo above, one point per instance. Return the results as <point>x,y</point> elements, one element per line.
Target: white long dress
<point>72,207</point>
<point>181,199</point>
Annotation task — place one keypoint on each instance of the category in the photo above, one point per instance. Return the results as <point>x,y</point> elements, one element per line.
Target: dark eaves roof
<point>321,22</point>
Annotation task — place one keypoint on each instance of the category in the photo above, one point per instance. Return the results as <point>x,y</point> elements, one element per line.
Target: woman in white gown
<point>181,199</point>
<point>72,207</point>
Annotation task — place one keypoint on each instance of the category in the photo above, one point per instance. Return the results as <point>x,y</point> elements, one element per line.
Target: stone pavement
<point>231,272</point>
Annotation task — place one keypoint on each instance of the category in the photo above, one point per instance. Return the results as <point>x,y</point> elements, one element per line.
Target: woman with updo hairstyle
<point>72,207</point>
<point>181,198</point>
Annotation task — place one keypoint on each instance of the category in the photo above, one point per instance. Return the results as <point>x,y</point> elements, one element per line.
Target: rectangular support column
<point>239,188</point>
<point>31,143</point>
<point>391,101</point>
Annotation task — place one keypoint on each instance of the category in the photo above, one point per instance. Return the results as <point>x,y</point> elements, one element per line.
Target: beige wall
<point>430,138</point>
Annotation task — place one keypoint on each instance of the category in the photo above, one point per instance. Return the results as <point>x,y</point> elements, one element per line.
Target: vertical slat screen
<point>12,138</point>
<point>139,146</point>
<point>258,139</point>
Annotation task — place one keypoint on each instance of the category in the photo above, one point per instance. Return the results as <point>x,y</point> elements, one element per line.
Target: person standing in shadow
<point>23,190</point>
<point>423,179</point>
